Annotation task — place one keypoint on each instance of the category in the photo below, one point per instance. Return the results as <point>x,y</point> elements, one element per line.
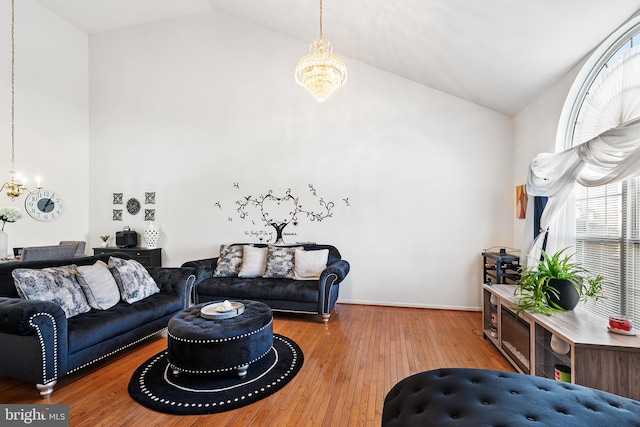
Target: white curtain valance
<point>611,156</point>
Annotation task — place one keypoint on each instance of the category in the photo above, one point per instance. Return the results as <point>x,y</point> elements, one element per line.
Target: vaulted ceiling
<point>497,53</point>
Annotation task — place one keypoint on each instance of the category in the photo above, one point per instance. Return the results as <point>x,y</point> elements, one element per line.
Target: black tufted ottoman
<point>478,397</point>
<point>202,346</point>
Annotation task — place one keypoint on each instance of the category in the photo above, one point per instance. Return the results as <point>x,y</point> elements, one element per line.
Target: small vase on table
<point>3,244</point>
<point>151,235</point>
<point>7,214</point>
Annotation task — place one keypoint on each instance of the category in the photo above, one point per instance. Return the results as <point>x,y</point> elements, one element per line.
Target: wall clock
<point>44,205</point>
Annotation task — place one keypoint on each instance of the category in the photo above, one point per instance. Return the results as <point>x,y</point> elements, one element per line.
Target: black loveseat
<point>281,294</point>
<point>40,344</point>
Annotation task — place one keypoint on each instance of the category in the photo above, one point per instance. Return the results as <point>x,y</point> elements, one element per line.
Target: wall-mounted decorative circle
<point>133,206</point>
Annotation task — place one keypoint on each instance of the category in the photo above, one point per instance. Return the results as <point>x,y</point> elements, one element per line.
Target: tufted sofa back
<point>334,254</point>
<point>7,286</point>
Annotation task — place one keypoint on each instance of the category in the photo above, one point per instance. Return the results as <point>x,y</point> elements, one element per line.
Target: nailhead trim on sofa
<point>43,346</point>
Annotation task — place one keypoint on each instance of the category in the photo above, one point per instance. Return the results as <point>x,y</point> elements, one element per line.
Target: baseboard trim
<point>402,304</point>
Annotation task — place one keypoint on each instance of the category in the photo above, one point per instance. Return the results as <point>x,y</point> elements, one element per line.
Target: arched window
<point>606,94</point>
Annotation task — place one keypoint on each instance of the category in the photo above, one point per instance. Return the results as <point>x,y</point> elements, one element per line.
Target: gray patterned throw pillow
<point>229,261</point>
<point>133,279</point>
<point>55,284</point>
<point>280,262</point>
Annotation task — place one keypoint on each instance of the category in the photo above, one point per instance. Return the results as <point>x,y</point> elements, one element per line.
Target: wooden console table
<point>145,256</point>
<point>597,358</point>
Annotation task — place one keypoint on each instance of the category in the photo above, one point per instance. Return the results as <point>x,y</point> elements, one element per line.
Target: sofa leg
<point>46,389</point>
<point>325,318</point>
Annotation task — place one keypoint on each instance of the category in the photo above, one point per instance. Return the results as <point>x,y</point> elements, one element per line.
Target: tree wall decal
<point>278,212</point>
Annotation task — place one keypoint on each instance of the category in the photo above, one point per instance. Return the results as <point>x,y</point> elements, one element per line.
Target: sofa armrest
<point>203,268</point>
<point>330,277</point>
<point>174,280</point>
<point>16,314</point>
<point>43,322</point>
<point>336,272</point>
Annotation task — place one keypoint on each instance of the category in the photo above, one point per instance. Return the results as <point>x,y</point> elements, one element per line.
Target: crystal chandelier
<point>321,72</point>
<point>16,185</point>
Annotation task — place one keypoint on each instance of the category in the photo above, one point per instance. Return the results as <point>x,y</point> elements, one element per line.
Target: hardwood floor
<point>350,365</point>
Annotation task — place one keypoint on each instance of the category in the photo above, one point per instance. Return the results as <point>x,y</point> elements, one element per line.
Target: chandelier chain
<point>321,19</point>
<point>16,185</point>
<point>13,83</point>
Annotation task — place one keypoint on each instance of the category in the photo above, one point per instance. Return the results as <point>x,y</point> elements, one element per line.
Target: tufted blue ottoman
<point>479,397</point>
<point>202,346</point>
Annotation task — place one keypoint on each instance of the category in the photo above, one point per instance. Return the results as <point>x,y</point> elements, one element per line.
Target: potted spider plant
<point>556,283</point>
<point>105,240</point>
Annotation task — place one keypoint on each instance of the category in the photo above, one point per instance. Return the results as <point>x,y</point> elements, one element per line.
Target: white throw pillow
<point>55,284</point>
<point>133,279</point>
<point>254,262</point>
<point>309,265</point>
<point>98,285</point>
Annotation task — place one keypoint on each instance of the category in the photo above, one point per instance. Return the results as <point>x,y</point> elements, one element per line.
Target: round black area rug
<point>155,386</point>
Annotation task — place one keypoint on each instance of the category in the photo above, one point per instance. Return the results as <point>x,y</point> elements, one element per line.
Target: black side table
<point>146,257</point>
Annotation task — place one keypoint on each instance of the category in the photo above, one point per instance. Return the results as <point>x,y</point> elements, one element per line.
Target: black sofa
<point>39,344</point>
<point>281,294</point>
<point>483,397</point>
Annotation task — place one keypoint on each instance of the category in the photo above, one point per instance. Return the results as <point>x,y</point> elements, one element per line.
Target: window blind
<point>608,244</point>
<point>608,216</point>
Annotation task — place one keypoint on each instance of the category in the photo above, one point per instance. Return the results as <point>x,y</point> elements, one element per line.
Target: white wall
<point>51,118</point>
<point>197,104</point>
<point>187,107</point>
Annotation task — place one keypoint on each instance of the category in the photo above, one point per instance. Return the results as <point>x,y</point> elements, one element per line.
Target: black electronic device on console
<point>126,238</point>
